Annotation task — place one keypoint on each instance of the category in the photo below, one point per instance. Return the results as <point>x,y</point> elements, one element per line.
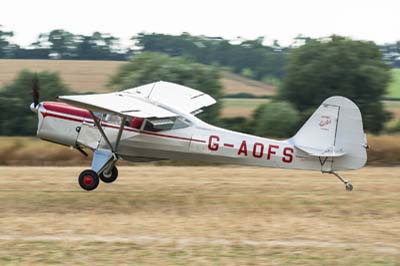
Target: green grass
<point>394,86</point>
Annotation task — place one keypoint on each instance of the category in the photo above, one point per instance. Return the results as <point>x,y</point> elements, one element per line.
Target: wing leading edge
<point>117,103</point>
<point>156,99</point>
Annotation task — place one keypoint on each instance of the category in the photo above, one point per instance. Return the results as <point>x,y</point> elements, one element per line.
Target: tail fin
<point>334,131</point>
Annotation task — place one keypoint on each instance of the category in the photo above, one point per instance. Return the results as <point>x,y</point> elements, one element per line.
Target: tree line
<point>316,71</point>
<point>61,44</point>
<point>250,57</point>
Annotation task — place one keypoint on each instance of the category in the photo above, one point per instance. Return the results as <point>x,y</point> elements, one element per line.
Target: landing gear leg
<point>103,163</point>
<point>349,186</point>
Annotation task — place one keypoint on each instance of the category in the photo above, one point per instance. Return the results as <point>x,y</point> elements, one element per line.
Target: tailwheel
<point>88,180</point>
<point>109,176</point>
<point>349,186</point>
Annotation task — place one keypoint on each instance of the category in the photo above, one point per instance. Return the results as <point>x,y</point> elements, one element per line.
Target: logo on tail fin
<point>325,121</point>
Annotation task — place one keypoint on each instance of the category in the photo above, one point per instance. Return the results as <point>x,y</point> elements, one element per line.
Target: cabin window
<point>112,119</point>
<point>163,124</point>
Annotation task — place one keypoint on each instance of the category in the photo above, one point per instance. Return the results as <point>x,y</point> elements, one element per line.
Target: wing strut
<point>96,121</point>
<point>103,159</point>
<point>121,129</point>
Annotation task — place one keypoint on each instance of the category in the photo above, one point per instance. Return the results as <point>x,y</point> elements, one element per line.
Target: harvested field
<point>93,76</point>
<point>384,151</point>
<point>233,107</point>
<point>199,216</point>
<point>80,75</point>
<point>234,83</point>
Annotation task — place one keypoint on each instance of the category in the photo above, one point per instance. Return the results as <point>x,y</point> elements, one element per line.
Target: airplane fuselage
<point>196,141</point>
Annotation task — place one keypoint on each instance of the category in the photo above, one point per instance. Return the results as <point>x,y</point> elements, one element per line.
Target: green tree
<point>6,48</point>
<point>63,44</point>
<point>16,98</point>
<point>98,46</point>
<point>250,54</point>
<point>338,66</point>
<point>275,119</point>
<point>151,67</point>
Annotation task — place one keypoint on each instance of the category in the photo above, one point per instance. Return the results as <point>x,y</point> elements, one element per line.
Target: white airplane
<point>158,121</point>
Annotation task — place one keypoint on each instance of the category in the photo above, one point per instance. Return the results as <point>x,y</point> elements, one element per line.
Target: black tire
<point>88,180</point>
<point>110,177</point>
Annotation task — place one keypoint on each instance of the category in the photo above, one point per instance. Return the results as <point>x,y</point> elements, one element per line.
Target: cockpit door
<point>88,135</point>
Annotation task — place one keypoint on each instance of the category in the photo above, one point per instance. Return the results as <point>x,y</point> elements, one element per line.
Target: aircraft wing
<point>118,103</point>
<point>158,99</point>
<point>177,97</point>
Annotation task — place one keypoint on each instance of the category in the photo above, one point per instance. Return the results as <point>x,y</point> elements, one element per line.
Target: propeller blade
<point>35,90</point>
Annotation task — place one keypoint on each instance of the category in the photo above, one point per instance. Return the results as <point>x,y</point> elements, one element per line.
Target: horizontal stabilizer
<point>321,153</point>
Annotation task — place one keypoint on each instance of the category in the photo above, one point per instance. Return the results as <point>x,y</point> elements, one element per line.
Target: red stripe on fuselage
<point>84,115</point>
<point>66,109</point>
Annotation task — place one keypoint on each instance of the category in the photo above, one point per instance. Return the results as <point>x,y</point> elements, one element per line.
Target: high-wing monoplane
<point>158,121</point>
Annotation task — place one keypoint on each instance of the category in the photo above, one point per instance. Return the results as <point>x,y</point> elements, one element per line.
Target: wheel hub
<point>88,180</point>
<point>107,174</point>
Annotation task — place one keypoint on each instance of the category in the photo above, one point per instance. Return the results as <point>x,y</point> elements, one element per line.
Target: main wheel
<point>110,176</point>
<point>88,180</point>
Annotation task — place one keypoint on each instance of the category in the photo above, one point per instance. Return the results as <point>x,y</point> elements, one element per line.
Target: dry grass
<point>238,84</point>
<point>84,76</point>
<point>33,151</point>
<point>384,150</point>
<point>30,151</point>
<point>92,76</point>
<point>199,216</point>
<point>233,107</point>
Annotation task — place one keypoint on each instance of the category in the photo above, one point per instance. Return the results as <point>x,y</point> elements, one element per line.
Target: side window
<point>181,122</point>
<point>99,115</point>
<point>112,119</point>
<point>157,125</point>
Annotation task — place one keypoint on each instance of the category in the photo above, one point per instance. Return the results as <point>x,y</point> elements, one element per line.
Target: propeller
<point>35,90</point>
<point>35,93</point>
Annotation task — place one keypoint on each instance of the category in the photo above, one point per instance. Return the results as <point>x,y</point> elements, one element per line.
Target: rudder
<point>334,131</point>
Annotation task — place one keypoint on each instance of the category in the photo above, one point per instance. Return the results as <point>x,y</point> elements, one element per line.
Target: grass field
<point>394,87</point>
<point>245,107</point>
<point>92,76</point>
<point>84,76</point>
<point>240,107</point>
<point>199,216</point>
<point>14,151</point>
<point>238,84</point>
